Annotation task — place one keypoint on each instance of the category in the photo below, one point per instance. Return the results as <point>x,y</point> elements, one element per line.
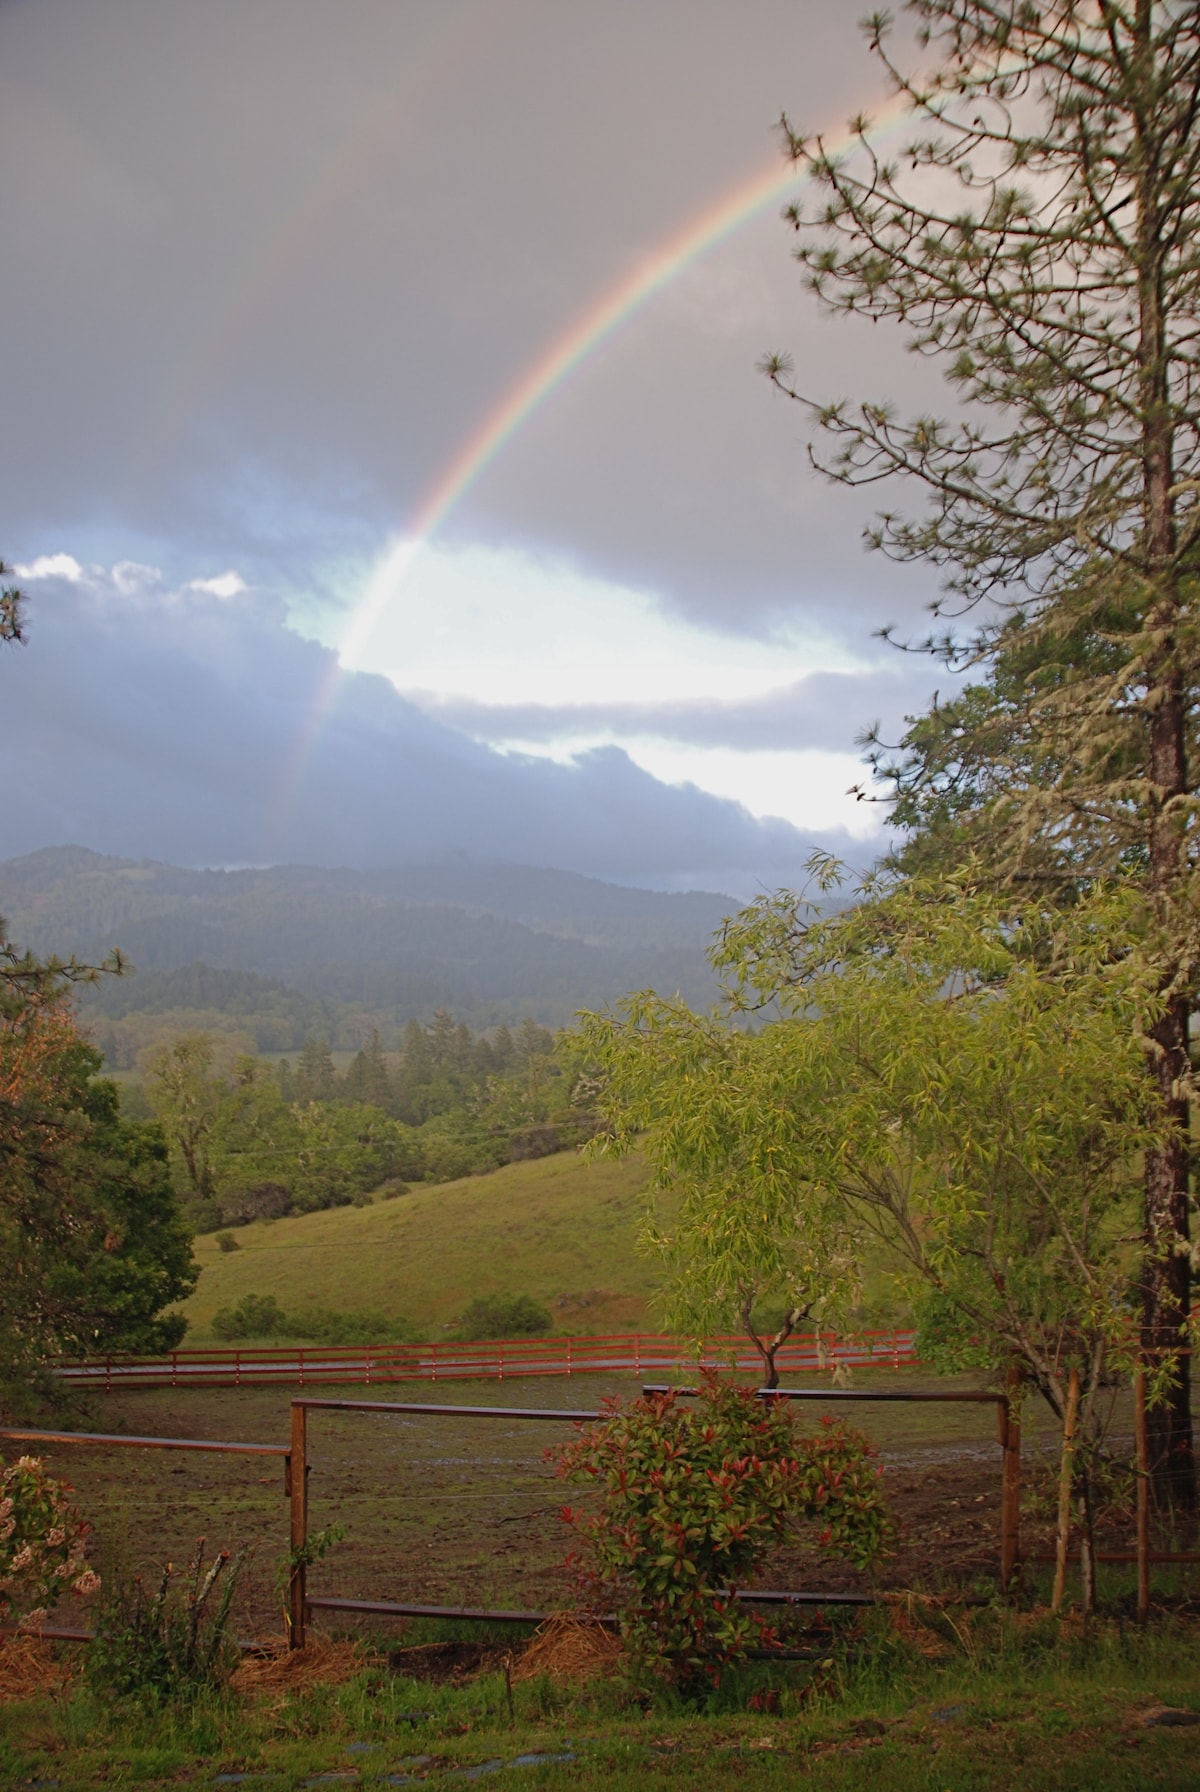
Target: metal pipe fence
<point>295,1481</point>
<point>301,1603</point>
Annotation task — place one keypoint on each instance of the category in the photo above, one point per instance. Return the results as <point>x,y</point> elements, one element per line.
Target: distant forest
<point>272,958</point>
<point>249,1139</point>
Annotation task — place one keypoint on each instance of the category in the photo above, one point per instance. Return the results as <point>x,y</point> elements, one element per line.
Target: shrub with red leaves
<point>693,1494</point>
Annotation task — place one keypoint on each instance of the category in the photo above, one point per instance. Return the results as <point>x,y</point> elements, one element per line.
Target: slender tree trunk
<point>1066,1477</point>
<point>768,1348</point>
<point>1087,1543</point>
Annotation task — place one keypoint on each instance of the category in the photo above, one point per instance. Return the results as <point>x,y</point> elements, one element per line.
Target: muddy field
<point>464,1511</point>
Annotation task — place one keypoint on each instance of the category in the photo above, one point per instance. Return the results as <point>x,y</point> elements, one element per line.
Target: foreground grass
<point>1017,1704</point>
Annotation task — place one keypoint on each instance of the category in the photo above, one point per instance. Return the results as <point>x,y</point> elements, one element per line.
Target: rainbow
<point>577,343</point>
<point>582,338</point>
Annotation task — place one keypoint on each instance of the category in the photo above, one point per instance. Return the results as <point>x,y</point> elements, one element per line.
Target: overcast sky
<point>314,342</point>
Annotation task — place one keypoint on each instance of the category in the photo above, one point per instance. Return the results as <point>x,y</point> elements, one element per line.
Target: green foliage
<point>249,1141</point>
<point>226,1241</point>
<point>255,1316</point>
<point>172,1644</point>
<point>504,1316</point>
<point>325,1326</point>
<point>141,1262</point>
<point>957,1076</point>
<point>42,1545</point>
<point>242,1150</point>
<point>261,1316</point>
<point>92,1241</point>
<point>692,1497</point>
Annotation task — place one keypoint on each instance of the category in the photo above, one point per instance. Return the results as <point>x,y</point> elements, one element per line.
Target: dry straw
<point>569,1650</point>
<point>31,1668</point>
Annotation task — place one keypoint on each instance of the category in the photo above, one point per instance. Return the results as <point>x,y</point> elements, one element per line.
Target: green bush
<point>504,1316</point>
<point>327,1327</point>
<point>170,1644</point>
<point>225,1241</point>
<point>261,1316</point>
<point>255,1316</point>
<point>691,1498</point>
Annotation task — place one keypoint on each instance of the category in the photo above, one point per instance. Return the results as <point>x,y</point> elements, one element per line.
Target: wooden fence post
<point>297,1579</point>
<point>1010,1491</point>
<point>1143,1494</point>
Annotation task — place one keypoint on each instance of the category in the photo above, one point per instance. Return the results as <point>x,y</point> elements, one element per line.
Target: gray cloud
<point>823,710</point>
<point>177,724</point>
<point>270,262</point>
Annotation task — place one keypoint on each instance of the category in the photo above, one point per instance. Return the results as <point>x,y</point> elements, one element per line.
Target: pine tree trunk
<point>1166,1287</point>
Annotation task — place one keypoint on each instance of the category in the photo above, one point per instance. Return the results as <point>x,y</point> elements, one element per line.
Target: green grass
<point>554,1228</point>
<point>1023,1707</point>
<point>560,1229</point>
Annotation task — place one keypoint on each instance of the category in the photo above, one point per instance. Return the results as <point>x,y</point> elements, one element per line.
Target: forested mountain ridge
<point>291,950</point>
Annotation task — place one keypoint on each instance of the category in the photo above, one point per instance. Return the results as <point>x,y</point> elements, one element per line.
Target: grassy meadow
<point>557,1228</point>
<point>1007,1703</point>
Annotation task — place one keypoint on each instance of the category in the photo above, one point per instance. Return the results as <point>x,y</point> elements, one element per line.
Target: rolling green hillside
<point>558,1229</point>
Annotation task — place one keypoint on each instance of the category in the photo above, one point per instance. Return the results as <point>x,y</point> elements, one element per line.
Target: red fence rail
<point>637,1353</point>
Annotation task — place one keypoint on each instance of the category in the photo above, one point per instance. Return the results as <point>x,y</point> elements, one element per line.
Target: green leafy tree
<point>93,1246</point>
<point>413,1102</point>
<point>504,1316</point>
<point>139,1261</point>
<point>1039,237</point>
<point>953,1076</point>
<point>367,1079</point>
<point>186,1097</point>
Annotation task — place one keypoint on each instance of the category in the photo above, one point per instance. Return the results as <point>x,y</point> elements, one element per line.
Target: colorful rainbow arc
<point>564,356</point>
<point>583,337</point>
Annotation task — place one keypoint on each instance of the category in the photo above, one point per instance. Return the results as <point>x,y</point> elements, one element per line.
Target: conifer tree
<point>315,1078</point>
<point>1039,235</point>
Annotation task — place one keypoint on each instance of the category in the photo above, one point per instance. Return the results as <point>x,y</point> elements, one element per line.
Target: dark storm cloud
<point>828,710</point>
<point>174,724</point>
<point>269,262</point>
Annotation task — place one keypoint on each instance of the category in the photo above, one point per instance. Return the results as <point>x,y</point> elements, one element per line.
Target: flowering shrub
<point>692,1498</point>
<point>42,1540</point>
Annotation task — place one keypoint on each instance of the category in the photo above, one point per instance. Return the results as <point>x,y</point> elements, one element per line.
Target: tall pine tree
<point>1039,235</point>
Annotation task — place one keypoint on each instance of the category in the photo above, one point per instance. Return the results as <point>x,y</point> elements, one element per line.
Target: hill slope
<point>558,1229</point>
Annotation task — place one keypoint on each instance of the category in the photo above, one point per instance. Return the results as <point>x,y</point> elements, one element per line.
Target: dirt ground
<point>464,1510</point>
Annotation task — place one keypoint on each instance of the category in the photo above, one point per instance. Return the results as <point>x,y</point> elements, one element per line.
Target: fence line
<point>638,1353</point>
<point>301,1603</point>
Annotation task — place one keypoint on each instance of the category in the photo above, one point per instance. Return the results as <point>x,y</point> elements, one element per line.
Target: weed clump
<point>173,1643</point>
